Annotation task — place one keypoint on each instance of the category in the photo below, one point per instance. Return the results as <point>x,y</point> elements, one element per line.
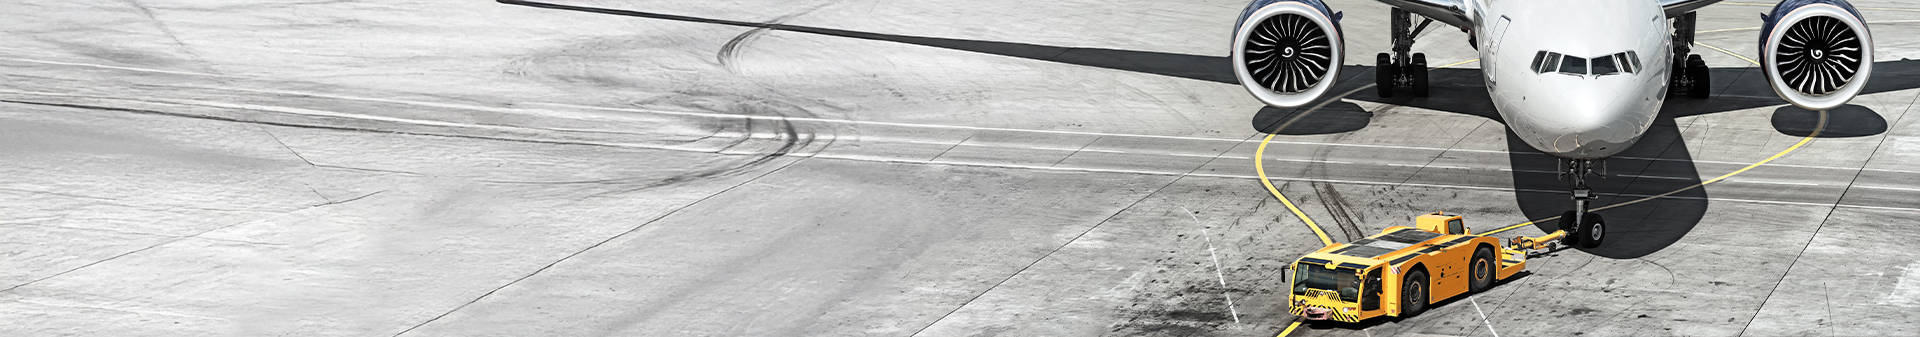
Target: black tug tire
<point>1419,71</point>
<point>1593,231</point>
<point>1702,82</point>
<point>1413,294</point>
<point>1566,224</point>
<point>1480,270</point>
<point>1383,71</point>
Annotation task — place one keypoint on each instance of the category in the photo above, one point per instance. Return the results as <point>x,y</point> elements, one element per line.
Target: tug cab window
<point>1344,281</point>
<point>1370,288</point>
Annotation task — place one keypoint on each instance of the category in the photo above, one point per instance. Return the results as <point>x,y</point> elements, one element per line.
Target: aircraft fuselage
<point>1575,79</point>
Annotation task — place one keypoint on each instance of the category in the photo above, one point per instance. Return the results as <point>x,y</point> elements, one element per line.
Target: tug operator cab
<point>1400,271</point>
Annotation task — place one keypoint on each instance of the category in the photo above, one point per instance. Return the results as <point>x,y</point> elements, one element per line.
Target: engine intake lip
<point>1789,83</point>
<point>1298,90</point>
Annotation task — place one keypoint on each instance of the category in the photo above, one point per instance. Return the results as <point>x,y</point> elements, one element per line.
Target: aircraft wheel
<point>1566,224</point>
<point>1419,70</point>
<point>1413,294</point>
<point>1702,82</point>
<point>1593,231</point>
<point>1383,71</point>
<point>1480,271</point>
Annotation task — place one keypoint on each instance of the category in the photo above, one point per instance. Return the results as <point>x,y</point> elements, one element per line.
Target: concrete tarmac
<point>983,168</point>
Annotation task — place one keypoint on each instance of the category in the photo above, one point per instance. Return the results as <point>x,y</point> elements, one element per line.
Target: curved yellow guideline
<point>1742,57</point>
<point>1261,168</point>
<point>1803,141</point>
<point>1260,165</point>
<point>1296,324</point>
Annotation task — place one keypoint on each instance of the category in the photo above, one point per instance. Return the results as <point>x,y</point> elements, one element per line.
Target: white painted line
<point>927,142</point>
<point>1527,171</point>
<point>1337,181</point>
<point>1888,188</point>
<point>1450,167</point>
<point>674,148</point>
<point>1880,207</point>
<point>1773,182</point>
<point>1051,148</point>
<point>1887,170</point>
<point>1103,151</point>
<point>846,121</point>
<point>1483,316</point>
<point>1206,156</point>
<point>824,120</point>
<point>324,113</point>
<point>176,72</point>
<point>1657,177</point>
<point>1217,271</point>
<point>718,115</point>
<point>1307,160</point>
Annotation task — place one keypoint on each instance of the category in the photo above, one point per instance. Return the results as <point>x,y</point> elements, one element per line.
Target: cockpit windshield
<point>1345,281</point>
<point>1572,65</point>
<point>1617,63</point>
<point>1604,66</point>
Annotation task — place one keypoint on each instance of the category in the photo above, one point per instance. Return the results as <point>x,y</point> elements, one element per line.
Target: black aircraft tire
<point>1702,81</point>
<point>1383,71</point>
<point>1480,270</point>
<point>1566,224</point>
<point>1413,294</point>
<point>1419,71</point>
<point>1593,232</point>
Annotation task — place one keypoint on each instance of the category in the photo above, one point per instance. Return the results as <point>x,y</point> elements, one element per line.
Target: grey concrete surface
<point>982,168</point>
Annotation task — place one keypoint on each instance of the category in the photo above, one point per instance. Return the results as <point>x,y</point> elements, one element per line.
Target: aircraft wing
<point>1451,12</point>
<point>1454,12</point>
<point>1677,7</point>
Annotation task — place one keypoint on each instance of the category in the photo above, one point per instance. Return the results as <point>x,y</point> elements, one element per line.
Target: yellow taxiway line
<point>1803,141</point>
<point>1296,324</point>
<point>1796,146</point>
<point>1260,165</point>
<point>1743,57</point>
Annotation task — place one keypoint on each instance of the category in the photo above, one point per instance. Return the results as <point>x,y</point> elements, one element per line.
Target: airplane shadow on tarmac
<point>1636,230</point>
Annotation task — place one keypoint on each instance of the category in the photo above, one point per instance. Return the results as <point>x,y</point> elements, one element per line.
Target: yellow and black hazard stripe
<point>1335,314</point>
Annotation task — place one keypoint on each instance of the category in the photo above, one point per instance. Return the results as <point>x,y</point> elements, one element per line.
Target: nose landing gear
<point>1401,70</point>
<point>1585,228</point>
<point>1689,76</point>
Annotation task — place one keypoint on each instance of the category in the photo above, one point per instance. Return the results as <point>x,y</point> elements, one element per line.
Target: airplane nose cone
<point>1582,126</point>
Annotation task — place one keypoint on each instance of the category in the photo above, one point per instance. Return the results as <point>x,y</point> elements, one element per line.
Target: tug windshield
<point>1345,281</point>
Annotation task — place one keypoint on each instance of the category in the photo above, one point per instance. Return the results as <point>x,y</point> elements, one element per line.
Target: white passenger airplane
<point>1578,79</point>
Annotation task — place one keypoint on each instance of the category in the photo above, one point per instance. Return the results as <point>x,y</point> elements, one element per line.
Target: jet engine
<point>1817,54</point>
<point>1287,52</point>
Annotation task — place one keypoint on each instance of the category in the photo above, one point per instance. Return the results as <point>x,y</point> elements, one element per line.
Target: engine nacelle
<point>1288,52</point>
<point>1817,54</point>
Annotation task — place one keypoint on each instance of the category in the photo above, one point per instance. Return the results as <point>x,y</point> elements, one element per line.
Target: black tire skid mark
<point>730,52</point>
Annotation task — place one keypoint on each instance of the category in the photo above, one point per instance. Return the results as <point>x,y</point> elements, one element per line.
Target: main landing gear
<point>1401,70</point>
<point>1584,229</point>
<point>1689,76</point>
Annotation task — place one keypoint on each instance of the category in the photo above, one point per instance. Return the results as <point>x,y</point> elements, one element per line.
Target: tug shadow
<point>1658,164</point>
<point>1431,308</point>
